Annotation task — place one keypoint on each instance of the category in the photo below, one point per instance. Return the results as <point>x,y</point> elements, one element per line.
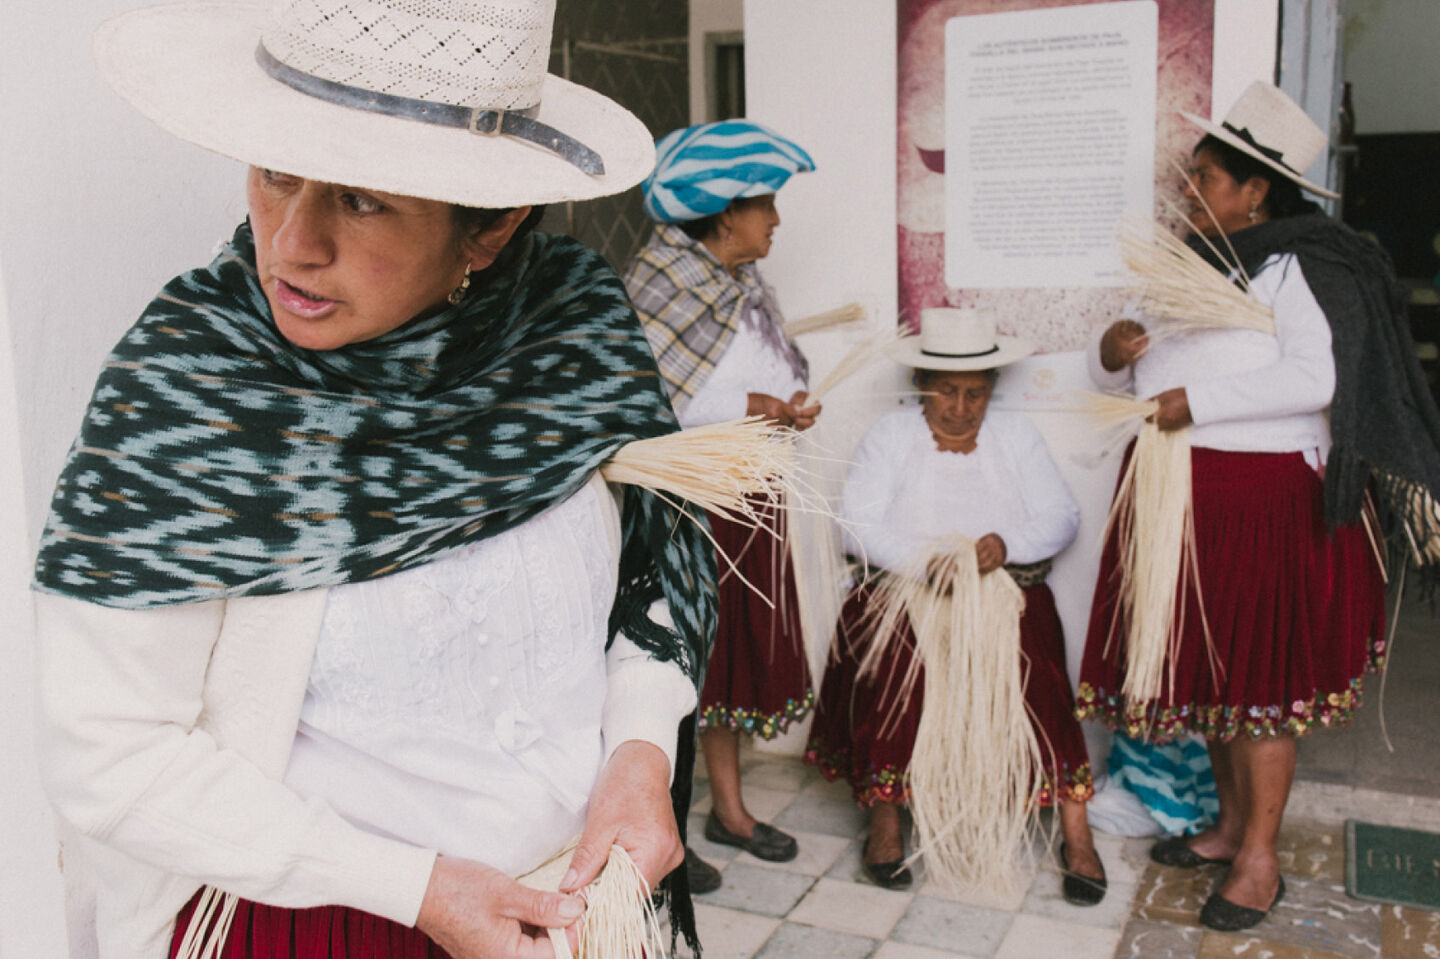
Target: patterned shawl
<point>691,307</point>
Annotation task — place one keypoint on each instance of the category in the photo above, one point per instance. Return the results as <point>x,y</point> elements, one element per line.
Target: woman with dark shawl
<point>1288,431</point>
<point>337,616</point>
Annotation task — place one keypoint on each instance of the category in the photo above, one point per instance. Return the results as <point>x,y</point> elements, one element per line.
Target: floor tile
<point>986,897</point>
<point>767,892</point>
<point>794,941</point>
<point>1032,936</point>
<point>1047,899</point>
<point>729,933</point>
<point>1312,850</point>
<point>1218,945</point>
<point>851,907</point>
<point>903,950</point>
<point>952,926</point>
<point>763,804</point>
<point>818,853</point>
<point>1167,894</point>
<point>1142,939</point>
<point>712,852</point>
<point>1409,933</point>
<point>811,813</point>
<point>838,790</point>
<point>777,773</point>
<point>1318,915</point>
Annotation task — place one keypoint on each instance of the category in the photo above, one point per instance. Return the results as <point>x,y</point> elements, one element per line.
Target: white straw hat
<point>1267,125</point>
<point>959,339</point>
<point>440,99</point>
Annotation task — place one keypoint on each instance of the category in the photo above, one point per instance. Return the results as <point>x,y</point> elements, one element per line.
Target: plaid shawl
<point>690,307</point>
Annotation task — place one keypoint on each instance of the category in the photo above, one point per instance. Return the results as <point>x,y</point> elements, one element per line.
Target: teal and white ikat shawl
<point>217,460</point>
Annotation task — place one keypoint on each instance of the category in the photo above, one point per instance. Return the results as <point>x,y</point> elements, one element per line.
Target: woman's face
<point>1229,201</point>
<point>342,265</point>
<point>751,223</point>
<point>955,405</point>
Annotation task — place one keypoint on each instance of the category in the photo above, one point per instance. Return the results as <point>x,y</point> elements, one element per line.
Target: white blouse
<point>750,365</point>
<point>462,705</point>
<point>1248,391</point>
<point>904,497</point>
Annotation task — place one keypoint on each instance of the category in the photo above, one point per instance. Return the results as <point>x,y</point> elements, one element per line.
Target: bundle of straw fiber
<point>1177,287</point>
<point>1422,530</point>
<point>209,925</point>
<point>976,761</point>
<point>841,316</point>
<point>620,920</point>
<point>1154,523</point>
<point>861,355</point>
<point>715,467</point>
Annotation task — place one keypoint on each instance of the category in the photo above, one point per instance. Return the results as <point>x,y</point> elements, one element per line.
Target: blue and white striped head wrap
<point>700,169</point>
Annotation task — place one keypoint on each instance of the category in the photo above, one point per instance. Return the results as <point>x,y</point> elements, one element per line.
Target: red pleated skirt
<point>759,680</point>
<point>322,932</point>
<point>864,732</point>
<point>1295,612</point>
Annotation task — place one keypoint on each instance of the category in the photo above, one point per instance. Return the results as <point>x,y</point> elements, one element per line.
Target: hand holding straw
<point>620,920</point>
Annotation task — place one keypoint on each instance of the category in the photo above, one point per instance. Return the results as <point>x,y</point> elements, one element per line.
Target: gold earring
<point>1254,212</point>
<point>458,294</point>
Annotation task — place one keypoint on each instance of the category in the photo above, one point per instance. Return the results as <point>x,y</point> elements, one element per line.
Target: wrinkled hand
<point>1174,411</point>
<point>792,414</point>
<point>990,552</point>
<point>474,911</point>
<point>630,807</point>
<point>1123,343</point>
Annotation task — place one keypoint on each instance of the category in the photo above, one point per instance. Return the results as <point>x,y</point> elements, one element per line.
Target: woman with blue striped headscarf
<point>718,337</point>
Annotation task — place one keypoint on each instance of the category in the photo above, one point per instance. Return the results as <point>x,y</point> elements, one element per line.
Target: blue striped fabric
<point>700,169</point>
<point>1174,781</point>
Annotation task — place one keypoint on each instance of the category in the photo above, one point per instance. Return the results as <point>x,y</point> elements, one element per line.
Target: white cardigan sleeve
<point>876,469</point>
<point>1052,515</point>
<point>127,761</point>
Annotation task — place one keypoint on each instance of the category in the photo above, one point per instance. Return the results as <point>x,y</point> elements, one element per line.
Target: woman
<point>336,614</point>
<point>717,335</point>
<point>919,475</point>
<point>1287,431</point>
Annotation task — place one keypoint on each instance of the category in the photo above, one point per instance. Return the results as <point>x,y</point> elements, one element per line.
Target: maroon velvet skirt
<point>759,680</point>
<point>864,732</point>
<point>1295,612</point>
<point>322,932</point>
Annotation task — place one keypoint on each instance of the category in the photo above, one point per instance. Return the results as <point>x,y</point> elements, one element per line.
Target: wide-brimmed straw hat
<point>955,340</point>
<point>1269,126</point>
<point>440,99</point>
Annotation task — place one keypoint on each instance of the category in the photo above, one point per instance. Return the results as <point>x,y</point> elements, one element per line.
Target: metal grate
<point>637,53</point>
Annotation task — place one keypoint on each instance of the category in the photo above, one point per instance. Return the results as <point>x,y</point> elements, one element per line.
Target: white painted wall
<point>708,16</point>
<point>1392,57</point>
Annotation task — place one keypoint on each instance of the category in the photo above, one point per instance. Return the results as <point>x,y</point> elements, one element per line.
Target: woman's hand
<point>1123,343</point>
<point>791,414</point>
<point>630,806</point>
<point>990,552</point>
<point>1174,411</point>
<point>474,911</point>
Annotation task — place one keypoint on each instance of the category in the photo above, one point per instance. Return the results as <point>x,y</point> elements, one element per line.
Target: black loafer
<point>765,842</point>
<point>1080,890</point>
<point>703,876</point>
<point>1222,915</point>
<point>1175,851</point>
<point>889,875</point>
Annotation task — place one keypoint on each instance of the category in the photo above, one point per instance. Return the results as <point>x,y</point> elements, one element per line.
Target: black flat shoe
<point>765,842</point>
<point>889,875</point>
<point>1080,890</point>
<point>1175,851</point>
<point>703,876</point>
<point>1223,915</point>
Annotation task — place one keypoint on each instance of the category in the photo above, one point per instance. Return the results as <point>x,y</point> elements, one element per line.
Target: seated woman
<point>337,615</point>
<point>920,474</point>
<point>718,337</point>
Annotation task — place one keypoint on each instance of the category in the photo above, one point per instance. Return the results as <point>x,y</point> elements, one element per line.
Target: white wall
<point>1392,57</point>
<point>708,16</point>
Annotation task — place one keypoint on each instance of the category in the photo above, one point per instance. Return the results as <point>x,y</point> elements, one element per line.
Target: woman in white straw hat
<point>718,338</point>
<point>337,616</point>
<point>1288,431</point>
<point>920,477</point>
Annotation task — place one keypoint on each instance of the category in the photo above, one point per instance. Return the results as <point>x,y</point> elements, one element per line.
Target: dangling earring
<point>1254,212</point>
<point>458,294</point>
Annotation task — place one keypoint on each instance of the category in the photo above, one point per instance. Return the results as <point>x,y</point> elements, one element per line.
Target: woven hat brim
<point>1220,133</point>
<point>190,67</point>
<point>1009,349</point>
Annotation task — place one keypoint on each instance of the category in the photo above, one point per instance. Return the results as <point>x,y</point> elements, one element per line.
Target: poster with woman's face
<point>1028,129</point>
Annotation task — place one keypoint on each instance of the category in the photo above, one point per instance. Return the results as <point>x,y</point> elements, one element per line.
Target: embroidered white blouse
<point>750,365</point>
<point>904,497</point>
<point>1248,391</point>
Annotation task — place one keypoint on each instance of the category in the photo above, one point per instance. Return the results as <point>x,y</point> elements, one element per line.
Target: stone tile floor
<point>821,905</point>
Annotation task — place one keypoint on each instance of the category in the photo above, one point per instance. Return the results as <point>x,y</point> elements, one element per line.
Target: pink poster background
<point>1053,318</point>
